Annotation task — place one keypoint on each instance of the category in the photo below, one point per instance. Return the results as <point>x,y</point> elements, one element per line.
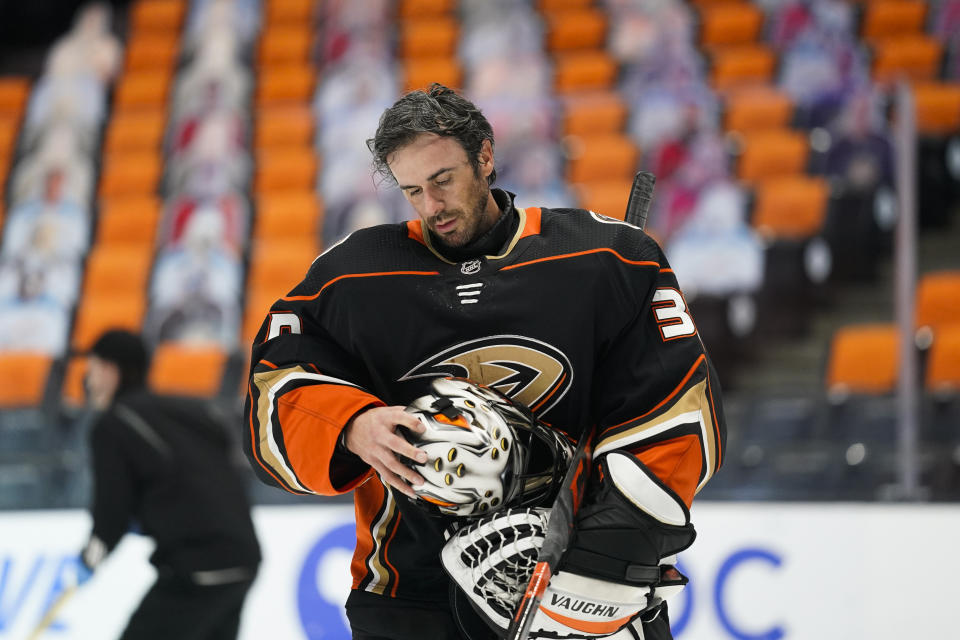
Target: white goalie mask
<point>484,451</point>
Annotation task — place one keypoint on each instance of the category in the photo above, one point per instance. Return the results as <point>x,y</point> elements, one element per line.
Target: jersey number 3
<point>670,311</point>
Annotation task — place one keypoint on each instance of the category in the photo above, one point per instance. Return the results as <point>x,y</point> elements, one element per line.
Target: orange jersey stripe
<point>255,451</point>
<point>673,393</point>
<point>361,275</point>
<point>564,256</point>
<point>677,463</point>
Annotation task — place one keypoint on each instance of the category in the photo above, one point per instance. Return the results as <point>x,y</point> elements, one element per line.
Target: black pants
<point>177,608</point>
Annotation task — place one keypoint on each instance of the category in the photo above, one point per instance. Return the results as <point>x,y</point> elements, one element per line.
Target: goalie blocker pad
<point>615,572</point>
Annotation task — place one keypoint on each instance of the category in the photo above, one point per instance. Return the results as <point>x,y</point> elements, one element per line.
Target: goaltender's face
<point>450,197</point>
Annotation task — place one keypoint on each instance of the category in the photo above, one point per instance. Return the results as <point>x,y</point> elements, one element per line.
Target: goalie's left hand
<point>616,572</point>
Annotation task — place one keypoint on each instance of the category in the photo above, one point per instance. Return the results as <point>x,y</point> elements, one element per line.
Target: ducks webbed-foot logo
<point>527,370</point>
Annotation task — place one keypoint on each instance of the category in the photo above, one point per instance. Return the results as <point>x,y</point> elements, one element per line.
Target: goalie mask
<point>484,451</point>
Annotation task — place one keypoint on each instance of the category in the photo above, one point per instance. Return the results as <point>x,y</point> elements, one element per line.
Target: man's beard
<point>474,220</point>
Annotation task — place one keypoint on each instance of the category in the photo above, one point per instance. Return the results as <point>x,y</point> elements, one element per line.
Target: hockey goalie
<point>495,466</point>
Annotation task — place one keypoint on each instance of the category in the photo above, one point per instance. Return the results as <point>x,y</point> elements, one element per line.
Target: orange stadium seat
<point>419,73</point>
<point>142,89</point>
<point>24,376</point>
<point>757,108</point>
<point>186,369</point>
<point>285,45</point>
<point>14,92</point>
<point>606,197</point>
<point>284,125</point>
<point>284,84</point>
<point>285,169</point>
<point>278,266</point>
<point>117,269</point>
<point>139,130</point>
<point>777,152</point>
<point>258,304</point>
<point>288,215</point>
<point>741,65</point>
<point>288,12</point>
<point>157,15</point>
<point>592,113</point>
<point>9,130</point>
<point>130,173</point>
<point>584,71</point>
<point>429,37</point>
<point>422,8</point>
<point>885,18</point>
<point>914,57</point>
<point>71,391</point>
<point>98,311</point>
<point>943,363</point>
<point>152,50</point>
<point>547,6</point>
<point>937,108</point>
<point>729,24</point>
<point>863,359</point>
<point>128,221</point>
<point>937,301</point>
<point>790,207</point>
<point>576,29</point>
<point>602,157</point>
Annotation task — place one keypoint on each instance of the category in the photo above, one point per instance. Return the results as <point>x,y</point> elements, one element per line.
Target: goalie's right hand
<point>372,436</point>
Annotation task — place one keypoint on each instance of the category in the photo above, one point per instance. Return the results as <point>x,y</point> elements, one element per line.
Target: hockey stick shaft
<point>51,613</point>
<point>564,510</point>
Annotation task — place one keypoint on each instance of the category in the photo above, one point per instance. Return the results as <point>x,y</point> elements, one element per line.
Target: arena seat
<point>741,65</point>
<point>279,265</point>
<point>888,18</point>
<point>288,12</point>
<point>98,311</point>
<point>593,113</point>
<point>157,15</point>
<point>914,57</point>
<point>285,45</point>
<point>602,157</point>
<point>771,153</point>
<point>937,304</point>
<point>14,93</point>
<point>117,270</point>
<point>423,8</point>
<point>942,372</point>
<point>606,197</point>
<point>136,130</point>
<point>128,221</point>
<point>584,71</point>
<point>790,207</point>
<point>419,73</point>
<point>729,24</point>
<point>937,106</point>
<point>757,108</point>
<point>430,37</point>
<point>130,173</point>
<point>863,359</point>
<point>142,89</point>
<point>183,369</point>
<point>285,169</point>
<point>284,125</point>
<point>24,376</point>
<point>71,389</point>
<point>285,84</point>
<point>575,29</point>
<point>151,50</point>
<point>288,215</point>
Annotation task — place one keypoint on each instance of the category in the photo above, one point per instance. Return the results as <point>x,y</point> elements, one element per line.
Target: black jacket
<point>167,464</point>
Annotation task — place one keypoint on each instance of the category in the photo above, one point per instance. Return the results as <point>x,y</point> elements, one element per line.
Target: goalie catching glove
<point>616,572</point>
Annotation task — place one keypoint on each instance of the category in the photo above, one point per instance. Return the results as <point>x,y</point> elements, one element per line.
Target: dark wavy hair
<point>438,110</point>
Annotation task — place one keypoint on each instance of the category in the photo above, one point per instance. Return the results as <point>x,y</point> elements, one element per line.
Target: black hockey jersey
<point>579,317</point>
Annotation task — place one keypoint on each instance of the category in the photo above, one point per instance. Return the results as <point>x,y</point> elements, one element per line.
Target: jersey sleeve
<point>657,395</point>
<point>303,389</point>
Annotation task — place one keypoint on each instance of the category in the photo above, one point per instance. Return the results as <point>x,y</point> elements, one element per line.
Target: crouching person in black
<point>167,464</point>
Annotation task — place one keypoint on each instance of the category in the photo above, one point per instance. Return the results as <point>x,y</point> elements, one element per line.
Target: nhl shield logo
<point>470,267</point>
